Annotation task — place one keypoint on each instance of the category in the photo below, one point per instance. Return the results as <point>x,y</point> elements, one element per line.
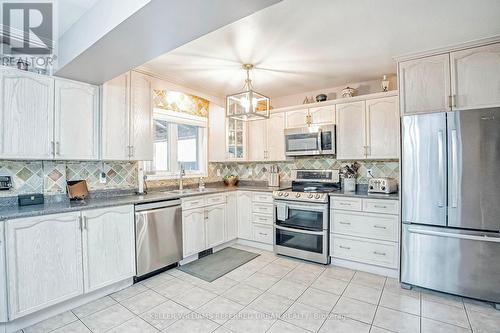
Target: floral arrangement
<point>350,171</point>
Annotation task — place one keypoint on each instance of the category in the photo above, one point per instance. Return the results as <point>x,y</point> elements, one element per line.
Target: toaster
<point>382,185</point>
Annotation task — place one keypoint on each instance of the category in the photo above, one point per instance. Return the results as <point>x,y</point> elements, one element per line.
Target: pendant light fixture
<point>247,105</point>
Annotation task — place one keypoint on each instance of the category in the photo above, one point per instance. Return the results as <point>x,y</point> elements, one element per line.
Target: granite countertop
<point>362,192</point>
<point>64,206</point>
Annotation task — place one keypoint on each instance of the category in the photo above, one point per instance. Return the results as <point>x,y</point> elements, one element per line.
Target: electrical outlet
<point>102,178</point>
<point>369,173</point>
<point>218,172</point>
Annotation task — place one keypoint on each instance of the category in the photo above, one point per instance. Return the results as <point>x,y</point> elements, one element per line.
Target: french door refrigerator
<point>451,202</point>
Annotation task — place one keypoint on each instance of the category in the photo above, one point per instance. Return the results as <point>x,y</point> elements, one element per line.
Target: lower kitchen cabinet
<point>231,216</point>
<point>245,215</point>
<point>44,262</point>
<point>193,231</point>
<point>215,225</point>
<point>108,246</point>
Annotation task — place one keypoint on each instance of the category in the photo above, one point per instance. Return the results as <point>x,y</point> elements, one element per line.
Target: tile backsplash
<point>49,177</point>
<point>258,171</point>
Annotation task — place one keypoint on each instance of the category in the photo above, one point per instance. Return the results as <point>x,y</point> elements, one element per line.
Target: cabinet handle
<point>379,206</point>
<point>80,222</point>
<point>346,223</point>
<point>52,148</point>
<point>379,253</point>
<point>454,101</point>
<point>379,227</point>
<point>132,149</point>
<point>344,247</point>
<point>84,225</point>
<point>58,148</point>
<point>262,234</point>
<point>344,204</point>
<point>450,102</point>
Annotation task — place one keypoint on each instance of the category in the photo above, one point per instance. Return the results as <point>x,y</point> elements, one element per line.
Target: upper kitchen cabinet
<point>313,116</point>
<point>127,118</point>
<point>297,118</point>
<point>368,129</point>
<point>27,113</point>
<point>351,133</point>
<point>236,140</point>
<point>475,77</point>
<point>424,84</point>
<point>217,151</point>
<point>275,137</point>
<point>115,118</point>
<point>382,128</point>
<point>141,117</point>
<point>257,141</point>
<point>322,115</point>
<point>76,132</point>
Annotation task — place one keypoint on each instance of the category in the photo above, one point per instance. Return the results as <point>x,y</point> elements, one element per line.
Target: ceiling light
<point>249,104</point>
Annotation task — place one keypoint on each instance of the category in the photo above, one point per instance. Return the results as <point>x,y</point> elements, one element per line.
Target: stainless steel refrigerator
<point>451,202</point>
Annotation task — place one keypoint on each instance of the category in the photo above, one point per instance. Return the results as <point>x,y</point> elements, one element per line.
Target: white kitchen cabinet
<point>217,148</point>
<point>108,246</point>
<point>475,77</point>
<point>297,118</point>
<point>351,133</point>
<point>76,132</point>
<point>115,118</point>
<point>275,137</point>
<point>236,140</point>
<point>231,216</point>
<point>257,141</point>
<point>27,115</point>
<point>322,115</point>
<point>424,84</point>
<point>215,225</point>
<point>245,230</point>
<point>382,128</point>
<point>193,231</point>
<point>44,262</point>
<point>141,117</point>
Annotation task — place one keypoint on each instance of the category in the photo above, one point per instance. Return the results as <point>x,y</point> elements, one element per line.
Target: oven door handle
<point>309,207</point>
<point>300,231</point>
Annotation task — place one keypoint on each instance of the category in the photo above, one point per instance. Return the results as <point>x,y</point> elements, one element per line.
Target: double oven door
<point>301,230</point>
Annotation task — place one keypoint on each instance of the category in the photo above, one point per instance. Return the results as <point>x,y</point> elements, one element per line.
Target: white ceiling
<point>69,11</point>
<point>300,46</point>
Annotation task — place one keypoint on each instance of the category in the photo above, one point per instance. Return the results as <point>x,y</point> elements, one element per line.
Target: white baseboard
<point>258,245</point>
<point>54,310</point>
<point>394,273</point>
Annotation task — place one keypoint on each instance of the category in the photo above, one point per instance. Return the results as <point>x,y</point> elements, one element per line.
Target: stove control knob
<point>297,195</point>
<point>318,196</point>
<point>286,194</point>
<point>310,195</point>
<point>280,194</point>
<point>383,188</point>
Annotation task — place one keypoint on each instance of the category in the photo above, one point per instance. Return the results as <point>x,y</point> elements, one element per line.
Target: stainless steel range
<point>301,225</point>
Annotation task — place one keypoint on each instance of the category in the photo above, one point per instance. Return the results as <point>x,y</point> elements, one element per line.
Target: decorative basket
<point>231,180</point>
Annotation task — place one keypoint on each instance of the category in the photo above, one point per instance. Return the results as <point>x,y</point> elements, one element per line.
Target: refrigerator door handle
<point>441,168</point>
<point>483,237</point>
<point>454,169</point>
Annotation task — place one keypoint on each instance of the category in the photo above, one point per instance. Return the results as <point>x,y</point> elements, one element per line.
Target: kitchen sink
<point>187,191</point>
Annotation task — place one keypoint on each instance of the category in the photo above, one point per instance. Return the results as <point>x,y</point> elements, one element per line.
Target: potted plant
<point>349,173</point>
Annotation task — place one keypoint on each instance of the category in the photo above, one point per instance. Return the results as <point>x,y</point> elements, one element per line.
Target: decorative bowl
<point>321,98</point>
<point>348,92</point>
<point>231,180</point>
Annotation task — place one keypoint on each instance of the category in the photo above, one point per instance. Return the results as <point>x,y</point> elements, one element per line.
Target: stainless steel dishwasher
<point>158,236</point>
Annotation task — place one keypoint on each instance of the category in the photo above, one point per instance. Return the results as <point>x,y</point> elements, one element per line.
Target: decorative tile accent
<point>49,177</point>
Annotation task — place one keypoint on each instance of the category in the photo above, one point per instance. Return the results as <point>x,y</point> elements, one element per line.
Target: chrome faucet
<point>182,173</point>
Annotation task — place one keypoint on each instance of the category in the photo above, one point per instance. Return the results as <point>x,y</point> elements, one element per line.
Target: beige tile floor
<point>275,294</point>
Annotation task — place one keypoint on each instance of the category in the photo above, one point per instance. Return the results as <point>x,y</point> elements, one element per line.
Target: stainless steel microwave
<point>314,140</point>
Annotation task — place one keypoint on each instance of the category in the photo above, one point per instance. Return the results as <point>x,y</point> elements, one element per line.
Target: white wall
<point>365,87</point>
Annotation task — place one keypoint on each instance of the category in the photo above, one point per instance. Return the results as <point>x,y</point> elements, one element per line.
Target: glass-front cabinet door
<point>236,139</point>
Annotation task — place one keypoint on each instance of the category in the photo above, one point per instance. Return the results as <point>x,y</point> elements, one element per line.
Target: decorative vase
<point>385,83</point>
<point>348,92</point>
<point>349,184</point>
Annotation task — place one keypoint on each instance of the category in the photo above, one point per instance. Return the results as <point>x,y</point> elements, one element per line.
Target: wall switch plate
<point>102,178</point>
<point>369,173</point>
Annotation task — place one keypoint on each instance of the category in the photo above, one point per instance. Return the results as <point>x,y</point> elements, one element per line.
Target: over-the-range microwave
<point>313,140</point>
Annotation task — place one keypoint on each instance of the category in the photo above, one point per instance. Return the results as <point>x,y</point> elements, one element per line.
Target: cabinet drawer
<point>376,226</point>
<point>364,250</point>
<point>195,202</point>
<point>262,197</point>
<point>346,203</point>
<point>381,206</point>
<point>262,219</point>
<point>263,208</point>
<point>263,234</point>
<point>215,199</point>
